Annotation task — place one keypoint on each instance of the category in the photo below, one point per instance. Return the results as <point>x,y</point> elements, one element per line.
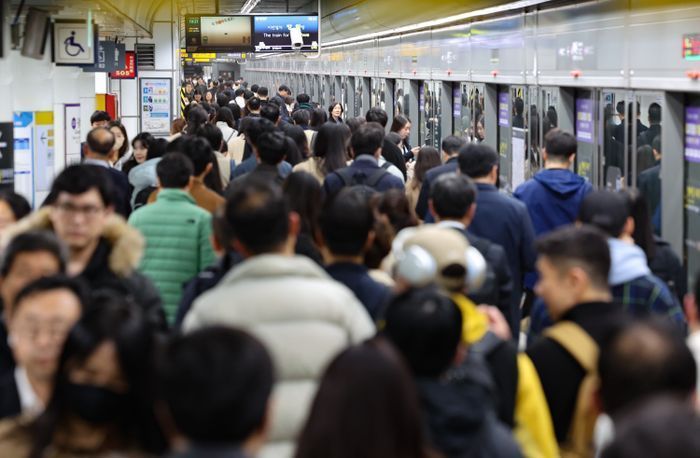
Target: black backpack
<point>351,177</point>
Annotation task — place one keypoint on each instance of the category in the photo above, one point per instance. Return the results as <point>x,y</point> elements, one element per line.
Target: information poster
<point>692,134</point>
<point>503,109</point>
<point>23,160</point>
<point>584,120</point>
<point>155,101</point>
<point>72,133</point>
<point>7,146</point>
<point>518,158</point>
<point>43,151</point>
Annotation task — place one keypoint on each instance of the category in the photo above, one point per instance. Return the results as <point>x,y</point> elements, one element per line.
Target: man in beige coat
<point>300,313</point>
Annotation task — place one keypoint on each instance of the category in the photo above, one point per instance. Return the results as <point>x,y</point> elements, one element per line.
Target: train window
<point>534,138</point>
<point>614,138</point>
<point>434,112</point>
<point>477,125</point>
<point>691,199</point>
<point>647,146</point>
<point>518,139</point>
<point>402,97</point>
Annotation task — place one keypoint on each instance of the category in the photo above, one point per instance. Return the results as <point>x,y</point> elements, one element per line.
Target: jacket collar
<point>486,187</point>
<point>175,195</point>
<point>125,243</point>
<point>274,266</point>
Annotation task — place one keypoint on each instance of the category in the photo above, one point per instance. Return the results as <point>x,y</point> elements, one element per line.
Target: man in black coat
<point>390,151</point>
<point>100,142</point>
<point>573,265</point>
<point>450,151</point>
<point>452,198</point>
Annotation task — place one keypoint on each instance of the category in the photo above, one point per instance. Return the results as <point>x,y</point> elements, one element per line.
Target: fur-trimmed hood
<point>127,244</point>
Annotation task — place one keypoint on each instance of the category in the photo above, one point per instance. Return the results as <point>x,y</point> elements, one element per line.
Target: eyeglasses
<point>89,211</point>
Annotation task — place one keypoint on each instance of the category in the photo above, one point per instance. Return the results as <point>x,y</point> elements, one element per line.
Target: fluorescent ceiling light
<point>440,22</point>
<point>249,6</point>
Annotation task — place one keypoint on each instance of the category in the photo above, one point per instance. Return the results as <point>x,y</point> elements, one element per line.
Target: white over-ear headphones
<point>417,266</point>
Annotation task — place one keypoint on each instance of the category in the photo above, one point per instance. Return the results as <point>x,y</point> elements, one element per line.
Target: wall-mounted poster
<point>72,132</point>
<point>72,44</point>
<point>43,151</point>
<point>7,157</point>
<point>155,102</point>
<point>23,160</point>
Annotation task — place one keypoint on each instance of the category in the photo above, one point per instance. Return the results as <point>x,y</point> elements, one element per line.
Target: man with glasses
<point>41,317</point>
<point>103,250</point>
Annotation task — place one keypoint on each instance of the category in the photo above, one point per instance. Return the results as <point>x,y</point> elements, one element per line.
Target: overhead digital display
<point>285,33</point>
<point>218,33</point>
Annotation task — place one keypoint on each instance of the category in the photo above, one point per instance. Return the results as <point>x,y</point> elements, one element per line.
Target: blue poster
<point>24,156</point>
<point>285,33</point>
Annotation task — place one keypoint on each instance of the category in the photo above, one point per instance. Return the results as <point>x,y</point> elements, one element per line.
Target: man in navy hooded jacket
<point>554,195</point>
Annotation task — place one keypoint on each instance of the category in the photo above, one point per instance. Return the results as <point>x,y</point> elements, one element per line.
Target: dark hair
<point>199,151</point>
<point>258,215</point>
<point>355,123</point>
<point>247,95</point>
<point>367,139</point>
<point>293,154</point>
<point>146,140</point>
<point>560,145</point>
<point>452,195</point>
<point>17,203</point>
<point>376,114</point>
<point>254,88</point>
<point>212,135</point>
<point>305,197</point>
<point>303,98</point>
<point>272,147</point>
<point>221,228</point>
<point>79,179</point>
<point>318,118</point>
<point>426,327</point>
<point>331,145</point>
<point>216,383</point>
<point>225,115</point>
<point>606,210</point>
<point>643,234</point>
<point>158,148</point>
<point>253,104</point>
<point>296,133</point>
<point>33,242</point>
<point>223,99</point>
<point>46,284</point>
<point>254,128</point>
<point>620,107</point>
<point>585,247</point>
<point>197,118</point>
<point>662,427</point>
<point>332,106</point>
<point>393,138</point>
<point>100,116</point>
<point>284,88</point>
<point>239,92</point>
<point>428,158</point>
<point>367,381</point>
<point>642,360</point>
<point>476,160</point>
<point>394,205</point>
<point>301,117</point>
<point>519,106</point>
<point>654,113</point>
<point>107,318</point>
<point>399,123</point>
<point>101,146</point>
<point>125,145</point>
<point>174,170</point>
<point>452,145</point>
<point>346,221</point>
<point>271,112</point>
<point>263,91</point>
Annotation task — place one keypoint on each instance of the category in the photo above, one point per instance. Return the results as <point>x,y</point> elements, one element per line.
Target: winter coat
<point>634,286</point>
<point>113,264</point>
<point>304,318</point>
<point>178,244</point>
<point>142,176</point>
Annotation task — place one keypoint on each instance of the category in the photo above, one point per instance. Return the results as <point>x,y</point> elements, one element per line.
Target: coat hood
<point>628,262</point>
<point>275,265</point>
<point>561,181</point>
<point>455,412</point>
<point>127,244</point>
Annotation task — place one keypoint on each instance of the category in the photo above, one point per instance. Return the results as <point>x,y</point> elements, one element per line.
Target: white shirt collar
<point>452,224</point>
<point>28,400</point>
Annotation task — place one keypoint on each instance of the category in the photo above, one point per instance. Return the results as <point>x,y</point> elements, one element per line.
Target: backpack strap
<point>376,176</point>
<point>386,165</point>
<point>346,176</point>
<point>581,346</point>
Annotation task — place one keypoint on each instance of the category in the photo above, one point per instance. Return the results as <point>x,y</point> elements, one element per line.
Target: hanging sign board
<point>72,44</point>
<point>128,70</point>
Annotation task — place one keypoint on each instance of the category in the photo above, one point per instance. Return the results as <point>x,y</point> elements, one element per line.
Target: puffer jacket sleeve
<point>147,296</point>
<point>359,323</point>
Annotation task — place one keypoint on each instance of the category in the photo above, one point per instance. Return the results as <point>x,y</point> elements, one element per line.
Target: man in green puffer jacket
<point>176,230</point>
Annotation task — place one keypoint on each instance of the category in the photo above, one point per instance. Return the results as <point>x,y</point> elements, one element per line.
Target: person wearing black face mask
<point>102,401</point>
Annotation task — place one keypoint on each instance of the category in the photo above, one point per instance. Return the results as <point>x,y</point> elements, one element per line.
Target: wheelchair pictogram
<point>72,48</point>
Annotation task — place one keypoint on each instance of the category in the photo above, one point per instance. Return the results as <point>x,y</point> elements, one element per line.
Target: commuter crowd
<point>275,280</point>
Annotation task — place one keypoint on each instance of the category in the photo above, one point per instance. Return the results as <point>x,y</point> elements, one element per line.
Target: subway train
<point>617,74</point>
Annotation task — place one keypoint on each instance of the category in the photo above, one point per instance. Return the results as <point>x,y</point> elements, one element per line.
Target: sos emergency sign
<point>129,72</point>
